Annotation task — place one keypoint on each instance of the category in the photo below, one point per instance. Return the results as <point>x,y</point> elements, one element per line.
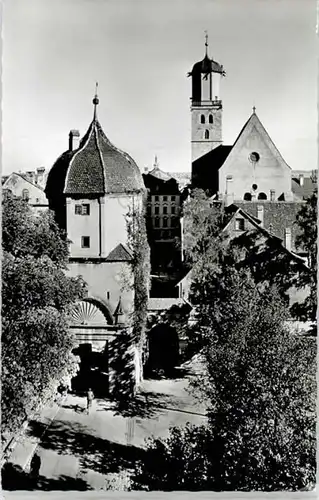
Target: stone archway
<point>164,349</point>
<point>88,318</point>
<point>91,311</point>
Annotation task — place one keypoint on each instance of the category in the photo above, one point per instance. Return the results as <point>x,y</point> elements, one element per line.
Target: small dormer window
<point>247,197</point>
<point>211,120</point>
<point>202,118</point>
<point>206,134</point>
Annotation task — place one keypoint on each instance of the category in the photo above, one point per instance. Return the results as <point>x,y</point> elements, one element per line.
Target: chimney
<point>301,179</point>
<point>145,170</point>
<point>229,194</point>
<point>31,176</point>
<point>74,140</point>
<point>260,214</point>
<point>39,178</point>
<point>288,238</point>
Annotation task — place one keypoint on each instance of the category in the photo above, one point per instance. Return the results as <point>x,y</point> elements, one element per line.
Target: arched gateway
<point>93,326</point>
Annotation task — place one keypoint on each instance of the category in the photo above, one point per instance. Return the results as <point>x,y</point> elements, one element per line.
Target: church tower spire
<point>206,105</point>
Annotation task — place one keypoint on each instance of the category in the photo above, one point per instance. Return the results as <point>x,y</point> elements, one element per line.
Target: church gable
<point>254,168</point>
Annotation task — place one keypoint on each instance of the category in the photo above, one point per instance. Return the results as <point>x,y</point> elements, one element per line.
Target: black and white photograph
<point>159,247</point>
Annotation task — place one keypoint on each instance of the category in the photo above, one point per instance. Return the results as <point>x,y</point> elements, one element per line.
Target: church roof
<point>98,167</point>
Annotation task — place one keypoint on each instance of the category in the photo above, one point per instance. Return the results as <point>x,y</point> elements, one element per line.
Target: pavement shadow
<point>144,405</point>
<point>95,453</point>
<point>15,478</point>
<point>75,407</point>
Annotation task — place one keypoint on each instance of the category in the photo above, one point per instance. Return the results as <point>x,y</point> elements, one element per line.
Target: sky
<point>140,51</point>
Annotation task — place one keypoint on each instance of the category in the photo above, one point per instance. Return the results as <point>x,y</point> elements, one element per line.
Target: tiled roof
<point>119,253</point>
<point>99,167</point>
<point>277,217</point>
<point>306,190</point>
<point>159,174</point>
<point>24,177</point>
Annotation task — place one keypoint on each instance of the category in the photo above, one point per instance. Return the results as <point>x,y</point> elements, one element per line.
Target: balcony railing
<point>214,102</point>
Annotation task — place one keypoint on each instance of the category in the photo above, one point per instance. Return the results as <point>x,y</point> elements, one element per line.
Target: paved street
<point>83,451</point>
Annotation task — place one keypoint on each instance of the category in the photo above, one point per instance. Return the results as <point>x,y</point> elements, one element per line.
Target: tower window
<point>240,225</point>
<point>108,295</point>
<point>85,241</point>
<point>202,118</point>
<point>82,209</point>
<point>247,197</point>
<point>86,209</point>
<point>211,119</point>
<point>206,134</point>
<point>25,195</point>
<point>262,196</point>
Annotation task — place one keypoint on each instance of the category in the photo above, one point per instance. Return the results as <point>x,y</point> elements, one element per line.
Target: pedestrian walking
<point>35,466</point>
<point>89,400</point>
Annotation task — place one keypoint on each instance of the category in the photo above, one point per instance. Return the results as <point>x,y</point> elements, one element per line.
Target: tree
<point>260,385</point>
<point>307,241</point>
<point>36,299</point>
<point>203,221</point>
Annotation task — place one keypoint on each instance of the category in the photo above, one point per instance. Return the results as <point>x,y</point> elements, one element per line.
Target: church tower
<point>206,105</point>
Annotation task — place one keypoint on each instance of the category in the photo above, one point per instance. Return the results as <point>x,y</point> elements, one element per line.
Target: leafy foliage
<point>260,384</point>
<point>203,221</point>
<point>259,379</point>
<point>138,243</point>
<point>36,296</point>
<point>307,241</point>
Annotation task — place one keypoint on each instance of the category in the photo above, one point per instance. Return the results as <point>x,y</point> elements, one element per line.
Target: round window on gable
<point>254,186</point>
<point>254,157</point>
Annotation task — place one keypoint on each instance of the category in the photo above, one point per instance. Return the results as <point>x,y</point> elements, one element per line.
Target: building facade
<point>92,188</point>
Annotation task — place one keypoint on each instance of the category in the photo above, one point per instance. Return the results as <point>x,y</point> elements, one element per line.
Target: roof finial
<point>155,162</point>
<point>254,110</point>
<point>95,100</point>
<point>206,42</point>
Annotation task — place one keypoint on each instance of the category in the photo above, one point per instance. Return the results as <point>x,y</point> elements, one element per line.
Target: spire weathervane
<point>156,162</point>
<point>95,100</point>
<point>206,41</point>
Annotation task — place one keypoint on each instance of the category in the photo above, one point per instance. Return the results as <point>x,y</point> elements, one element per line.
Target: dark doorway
<point>93,370</point>
<point>163,350</point>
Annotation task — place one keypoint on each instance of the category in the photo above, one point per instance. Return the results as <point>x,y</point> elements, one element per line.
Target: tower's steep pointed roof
<point>96,167</point>
<point>99,167</point>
